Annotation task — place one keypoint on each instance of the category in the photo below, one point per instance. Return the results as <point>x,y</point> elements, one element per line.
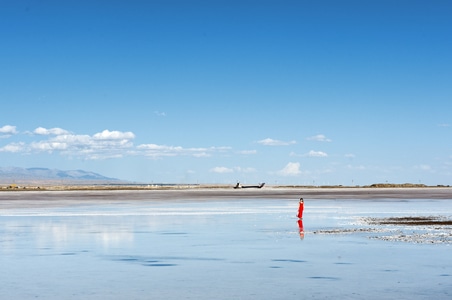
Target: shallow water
<point>218,249</point>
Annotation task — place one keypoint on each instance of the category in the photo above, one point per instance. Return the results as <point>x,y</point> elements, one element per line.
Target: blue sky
<point>282,92</point>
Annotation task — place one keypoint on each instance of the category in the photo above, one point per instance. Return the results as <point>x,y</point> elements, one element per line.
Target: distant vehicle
<point>239,186</point>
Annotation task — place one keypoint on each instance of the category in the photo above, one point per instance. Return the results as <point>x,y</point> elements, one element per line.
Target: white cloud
<point>291,169</point>
<point>319,138</point>
<point>68,143</point>
<point>350,155</point>
<point>272,142</point>
<point>313,153</point>
<point>220,149</point>
<point>232,170</point>
<point>73,139</point>
<point>154,147</point>
<point>221,170</point>
<point>114,135</point>
<point>51,131</point>
<point>7,130</point>
<point>13,148</point>
<point>49,146</point>
<point>156,151</point>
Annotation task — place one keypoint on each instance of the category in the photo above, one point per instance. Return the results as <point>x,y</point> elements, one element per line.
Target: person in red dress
<point>300,209</point>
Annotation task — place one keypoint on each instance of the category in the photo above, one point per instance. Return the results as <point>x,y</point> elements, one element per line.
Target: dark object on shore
<point>239,186</point>
<point>412,221</point>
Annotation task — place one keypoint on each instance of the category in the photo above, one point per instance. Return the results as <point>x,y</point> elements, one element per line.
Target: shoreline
<point>83,185</point>
<point>205,193</point>
<point>18,199</point>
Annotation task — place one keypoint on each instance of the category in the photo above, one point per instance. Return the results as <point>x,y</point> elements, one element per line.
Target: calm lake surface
<point>219,249</point>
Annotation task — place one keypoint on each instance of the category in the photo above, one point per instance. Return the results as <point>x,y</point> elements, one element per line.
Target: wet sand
<point>9,198</point>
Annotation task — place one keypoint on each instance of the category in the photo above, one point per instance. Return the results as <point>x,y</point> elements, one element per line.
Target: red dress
<point>300,210</point>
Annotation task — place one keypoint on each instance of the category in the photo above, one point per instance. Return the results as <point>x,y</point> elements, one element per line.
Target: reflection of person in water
<point>300,209</point>
<point>300,228</point>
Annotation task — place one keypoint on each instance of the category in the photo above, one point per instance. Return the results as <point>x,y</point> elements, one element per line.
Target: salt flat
<point>222,245</point>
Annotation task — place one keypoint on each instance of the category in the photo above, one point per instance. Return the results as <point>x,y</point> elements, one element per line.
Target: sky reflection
<point>231,249</point>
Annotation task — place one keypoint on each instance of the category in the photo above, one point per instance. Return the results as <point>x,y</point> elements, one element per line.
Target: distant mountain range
<point>43,174</point>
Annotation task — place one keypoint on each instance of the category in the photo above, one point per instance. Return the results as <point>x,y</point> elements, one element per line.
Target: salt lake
<point>223,249</point>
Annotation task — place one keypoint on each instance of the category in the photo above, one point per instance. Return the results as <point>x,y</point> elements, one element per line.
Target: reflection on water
<point>59,233</point>
<point>300,228</point>
<point>217,250</point>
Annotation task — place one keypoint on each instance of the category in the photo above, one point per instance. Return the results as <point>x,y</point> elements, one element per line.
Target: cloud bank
<point>101,145</point>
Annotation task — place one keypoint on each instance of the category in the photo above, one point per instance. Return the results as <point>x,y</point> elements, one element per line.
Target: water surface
<point>219,249</point>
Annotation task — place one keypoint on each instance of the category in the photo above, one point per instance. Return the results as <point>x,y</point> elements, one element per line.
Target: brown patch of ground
<point>411,221</point>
